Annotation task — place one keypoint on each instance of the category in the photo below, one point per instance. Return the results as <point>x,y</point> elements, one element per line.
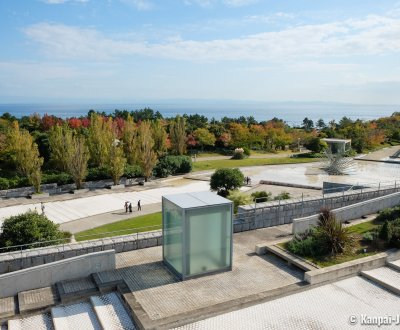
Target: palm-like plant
<point>333,237</point>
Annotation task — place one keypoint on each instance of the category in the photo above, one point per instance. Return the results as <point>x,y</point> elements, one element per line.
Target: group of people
<point>128,206</point>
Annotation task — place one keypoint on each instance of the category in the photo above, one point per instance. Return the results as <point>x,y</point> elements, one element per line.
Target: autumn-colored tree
<point>204,137</point>
<point>78,156</point>
<point>129,134</point>
<point>239,135</point>
<point>159,136</point>
<point>145,149</point>
<point>116,161</point>
<point>25,154</point>
<point>177,133</point>
<point>100,139</point>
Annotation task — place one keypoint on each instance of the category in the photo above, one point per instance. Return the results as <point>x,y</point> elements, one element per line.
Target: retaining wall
<point>275,213</point>
<point>45,275</point>
<point>349,212</point>
<point>14,261</point>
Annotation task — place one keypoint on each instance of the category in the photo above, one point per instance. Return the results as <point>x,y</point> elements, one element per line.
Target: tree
<point>25,154</point>
<point>204,137</point>
<point>225,179</point>
<point>116,162</point>
<point>315,144</point>
<point>308,124</point>
<point>78,156</point>
<point>100,139</point>
<point>144,149</point>
<point>159,136</point>
<point>59,143</point>
<point>129,134</point>
<point>177,133</point>
<point>321,124</point>
<point>28,228</point>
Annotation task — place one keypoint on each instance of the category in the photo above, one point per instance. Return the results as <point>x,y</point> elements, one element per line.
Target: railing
<point>329,193</point>
<point>139,232</point>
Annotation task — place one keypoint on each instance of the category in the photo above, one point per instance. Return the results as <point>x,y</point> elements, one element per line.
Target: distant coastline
<point>291,112</point>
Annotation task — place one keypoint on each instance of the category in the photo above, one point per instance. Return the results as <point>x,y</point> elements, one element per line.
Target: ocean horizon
<point>291,112</point>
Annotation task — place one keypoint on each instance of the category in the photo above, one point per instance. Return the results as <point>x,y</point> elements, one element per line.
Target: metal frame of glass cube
<point>197,234</point>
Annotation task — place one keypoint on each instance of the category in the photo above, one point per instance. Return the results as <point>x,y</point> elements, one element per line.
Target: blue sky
<point>259,50</point>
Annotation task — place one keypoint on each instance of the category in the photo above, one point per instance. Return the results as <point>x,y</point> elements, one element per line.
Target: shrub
<point>28,228</point>
<point>4,184</point>
<point>369,236</point>
<point>132,171</point>
<point>239,198</point>
<point>238,155</point>
<point>282,195</point>
<point>261,196</point>
<point>307,247</point>
<point>246,151</point>
<point>59,178</point>
<point>97,173</point>
<point>385,232</point>
<point>388,214</point>
<point>170,165</point>
<point>225,179</point>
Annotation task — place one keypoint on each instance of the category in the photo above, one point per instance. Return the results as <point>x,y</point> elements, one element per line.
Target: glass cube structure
<point>197,233</point>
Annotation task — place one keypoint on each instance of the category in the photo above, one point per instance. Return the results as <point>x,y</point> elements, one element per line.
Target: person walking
<point>130,207</point>
<point>42,207</point>
<point>126,207</point>
<point>139,207</point>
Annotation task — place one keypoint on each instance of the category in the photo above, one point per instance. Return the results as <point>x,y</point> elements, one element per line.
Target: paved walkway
<point>106,218</point>
<point>267,155</point>
<point>381,155</point>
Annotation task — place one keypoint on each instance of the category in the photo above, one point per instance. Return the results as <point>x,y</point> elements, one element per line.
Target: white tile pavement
<point>69,210</point>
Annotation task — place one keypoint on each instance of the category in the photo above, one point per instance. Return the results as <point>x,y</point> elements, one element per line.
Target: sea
<point>291,112</point>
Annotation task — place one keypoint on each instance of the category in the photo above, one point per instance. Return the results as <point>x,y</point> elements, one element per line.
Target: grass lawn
<point>226,163</point>
<point>358,231</point>
<point>133,225</point>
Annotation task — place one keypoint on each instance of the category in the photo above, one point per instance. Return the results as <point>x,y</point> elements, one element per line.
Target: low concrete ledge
<point>51,273</point>
<point>283,254</point>
<point>39,196</point>
<point>79,191</point>
<point>116,187</point>
<point>345,269</point>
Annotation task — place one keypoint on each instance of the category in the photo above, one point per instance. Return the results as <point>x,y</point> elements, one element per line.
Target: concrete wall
<point>275,213</point>
<point>48,274</point>
<point>14,261</point>
<point>350,212</point>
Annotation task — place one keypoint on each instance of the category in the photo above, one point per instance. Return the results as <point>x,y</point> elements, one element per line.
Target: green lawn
<point>226,163</point>
<point>362,228</point>
<point>128,226</point>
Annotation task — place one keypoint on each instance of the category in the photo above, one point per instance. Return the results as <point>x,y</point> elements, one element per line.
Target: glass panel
<point>209,239</point>
<point>172,235</point>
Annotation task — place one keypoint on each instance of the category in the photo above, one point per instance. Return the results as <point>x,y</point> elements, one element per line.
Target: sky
<point>260,50</point>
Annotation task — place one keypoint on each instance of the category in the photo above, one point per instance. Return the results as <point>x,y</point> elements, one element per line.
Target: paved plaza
<point>332,306</point>
<point>161,296</point>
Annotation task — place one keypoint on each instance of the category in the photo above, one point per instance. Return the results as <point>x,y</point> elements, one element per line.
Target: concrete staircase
<point>105,311</point>
<point>388,276</point>
<point>84,303</point>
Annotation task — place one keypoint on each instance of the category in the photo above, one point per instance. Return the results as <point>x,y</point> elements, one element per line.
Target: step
<point>8,307</point>
<point>386,277</point>
<point>35,322</point>
<point>80,316</point>
<point>37,299</point>
<point>72,290</point>
<point>111,312</point>
<point>394,264</point>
